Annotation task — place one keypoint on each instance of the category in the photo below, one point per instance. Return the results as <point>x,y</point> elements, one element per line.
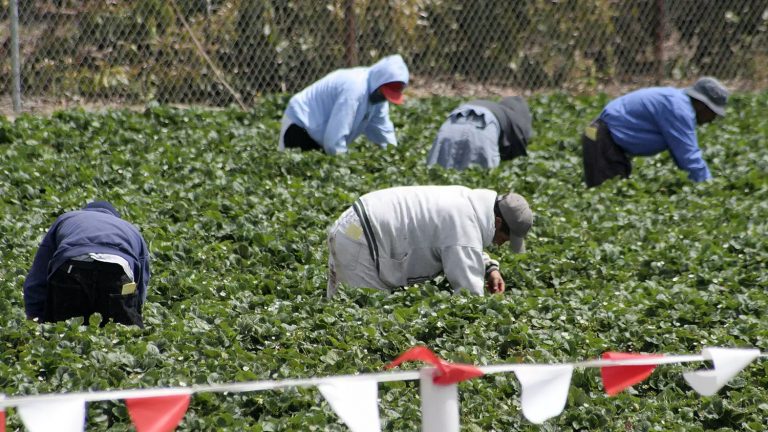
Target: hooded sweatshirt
<point>470,136</point>
<point>482,133</point>
<point>96,230</point>
<point>337,109</point>
<point>422,231</point>
<point>515,120</point>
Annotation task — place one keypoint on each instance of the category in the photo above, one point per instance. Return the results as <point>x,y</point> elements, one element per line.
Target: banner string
<point>250,386</point>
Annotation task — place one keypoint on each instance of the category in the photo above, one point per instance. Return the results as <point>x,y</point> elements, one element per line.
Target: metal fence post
<point>660,41</point>
<point>15,67</point>
<point>351,33</point>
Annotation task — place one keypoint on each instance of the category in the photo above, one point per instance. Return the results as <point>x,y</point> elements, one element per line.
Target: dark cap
<point>711,93</point>
<point>518,217</point>
<point>102,205</point>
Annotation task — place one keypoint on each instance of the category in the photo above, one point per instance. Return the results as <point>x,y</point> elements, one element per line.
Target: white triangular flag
<point>63,414</point>
<point>545,390</point>
<point>355,401</point>
<point>439,404</point>
<point>727,363</point>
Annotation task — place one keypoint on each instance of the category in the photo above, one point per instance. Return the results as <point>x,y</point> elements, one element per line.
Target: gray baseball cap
<point>518,217</point>
<point>711,93</point>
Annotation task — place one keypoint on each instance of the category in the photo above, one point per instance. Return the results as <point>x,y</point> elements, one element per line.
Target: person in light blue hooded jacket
<point>329,114</point>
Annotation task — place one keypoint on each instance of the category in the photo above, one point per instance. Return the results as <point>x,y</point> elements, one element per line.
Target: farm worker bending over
<point>405,235</point>
<point>90,261</point>
<point>648,121</point>
<point>483,133</point>
<point>329,114</point>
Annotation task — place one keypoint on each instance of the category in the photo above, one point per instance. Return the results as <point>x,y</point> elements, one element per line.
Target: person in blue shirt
<point>483,133</point>
<point>89,261</point>
<point>329,114</point>
<point>649,121</point>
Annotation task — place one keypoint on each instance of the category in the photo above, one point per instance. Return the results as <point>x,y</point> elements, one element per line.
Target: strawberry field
<point>237,234</point>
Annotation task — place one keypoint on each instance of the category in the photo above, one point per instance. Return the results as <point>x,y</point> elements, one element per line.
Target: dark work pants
<point>82,288</point>
<point>296,136</point>
<point>603,158</point>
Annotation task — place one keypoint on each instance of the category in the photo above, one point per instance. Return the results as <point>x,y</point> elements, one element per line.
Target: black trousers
<point>82,288</point>
<point>297,136</point>
<point>603,158</point>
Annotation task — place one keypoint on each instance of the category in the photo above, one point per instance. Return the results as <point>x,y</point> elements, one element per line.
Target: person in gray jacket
<point>483,133</point>
<point>405,235</point>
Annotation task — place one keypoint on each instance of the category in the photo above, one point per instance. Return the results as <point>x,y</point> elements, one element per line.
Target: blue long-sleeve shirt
<point>651,120</point>
<point>336,109</point>
<point>78,233</point>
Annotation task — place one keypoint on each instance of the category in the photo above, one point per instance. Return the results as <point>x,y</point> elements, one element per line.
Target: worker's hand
<point>495,283</point>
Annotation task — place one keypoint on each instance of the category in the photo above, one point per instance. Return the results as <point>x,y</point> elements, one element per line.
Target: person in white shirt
<point>405,235</point>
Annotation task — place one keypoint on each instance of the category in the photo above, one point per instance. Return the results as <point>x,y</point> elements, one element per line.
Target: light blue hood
<point>387,70</point>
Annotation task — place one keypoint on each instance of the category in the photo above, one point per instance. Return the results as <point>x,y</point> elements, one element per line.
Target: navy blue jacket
<point>76,233</point>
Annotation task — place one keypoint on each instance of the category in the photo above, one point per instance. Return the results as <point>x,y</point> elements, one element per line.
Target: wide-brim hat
<point>711,93</point>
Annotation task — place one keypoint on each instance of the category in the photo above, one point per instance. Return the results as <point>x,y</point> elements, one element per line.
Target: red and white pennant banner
<point>439,393</point>
<point>354,398</point>
<point>545,387</point>
<point>151,410</point>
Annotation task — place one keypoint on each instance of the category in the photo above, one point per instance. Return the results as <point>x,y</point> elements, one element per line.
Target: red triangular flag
<point>417,353</point>
<point>617,378</point>
<point>448,373</point>
<point>456,372</point>
<point>157,414</point>
<point>2,421</point>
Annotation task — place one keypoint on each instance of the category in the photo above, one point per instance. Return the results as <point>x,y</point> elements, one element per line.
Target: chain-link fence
<point>220,52</point>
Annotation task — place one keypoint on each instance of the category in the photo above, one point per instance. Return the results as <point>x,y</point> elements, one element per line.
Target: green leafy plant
<point>237,232</point>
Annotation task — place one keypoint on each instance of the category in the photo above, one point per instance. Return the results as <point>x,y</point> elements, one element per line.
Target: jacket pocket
<point>126,309</point>
<point>393,271</point>
<point>346,252</point>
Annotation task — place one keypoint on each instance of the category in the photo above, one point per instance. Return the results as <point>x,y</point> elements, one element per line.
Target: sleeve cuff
<point>491,266</point>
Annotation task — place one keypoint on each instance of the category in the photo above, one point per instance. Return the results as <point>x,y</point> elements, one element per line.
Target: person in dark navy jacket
<point>89,261</point>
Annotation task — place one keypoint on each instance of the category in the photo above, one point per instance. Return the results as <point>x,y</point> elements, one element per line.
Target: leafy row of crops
<point>237,232</point>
